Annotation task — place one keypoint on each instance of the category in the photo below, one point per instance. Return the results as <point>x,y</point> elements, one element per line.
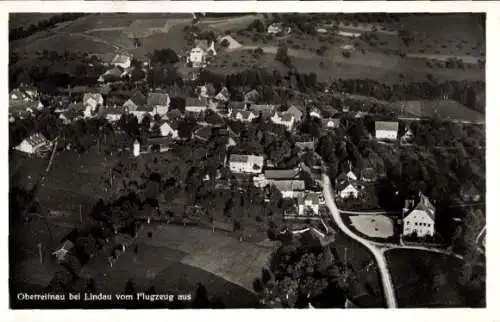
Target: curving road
<point>387,285</point>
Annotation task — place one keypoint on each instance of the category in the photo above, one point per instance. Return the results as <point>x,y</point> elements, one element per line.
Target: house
<point>349,189</point>
<point>309,203</point>
<point>285,119</point>
<point>196,105</point>
<point>223,96</point>
<point>251,97</point>
<point>91,102</point>
<point>264,110</point>
<point>111,75</point>
<point>331,123</point>
<point>122,60</point>
<point>66,249</point>
<point>315,113</point>
<point>305,145</point>
<point>174,115</point>
<point>158,103</point>
<point>169,129</point>
<point>296,112</point>
<point>206,91</point>
<point>277,27</point>
<point>286,174</point>
<point>159,144</point>
<point>34,144</point>
<point>242,115</point>
<point>241,163</point>
<point>137,100</point>
<point>386,130</point>
<point>114,114</point>
<point>420,218</point>
<point>289,188</point>
<point>199,54</point>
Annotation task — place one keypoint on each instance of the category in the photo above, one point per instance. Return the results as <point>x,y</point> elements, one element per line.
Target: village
<point>228,158</point>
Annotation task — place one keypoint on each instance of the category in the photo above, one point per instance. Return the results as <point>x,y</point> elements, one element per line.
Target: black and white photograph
<point>247,160</point>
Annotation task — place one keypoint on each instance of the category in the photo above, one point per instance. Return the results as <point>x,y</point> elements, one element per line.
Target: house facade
<point>310,203</point>
<point>349,190</point>
<point>243,163</point>
<point>158,103</point>
<point>386,130</point>
<point>419,219</point>
<point>122,60</point>
<point>242,115</point>
<point>289,188</point>
<point>167,129</point>
<point>285,119</point>
<point>34,144</point>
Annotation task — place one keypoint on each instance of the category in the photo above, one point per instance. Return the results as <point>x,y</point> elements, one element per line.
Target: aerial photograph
<point>247,160</point>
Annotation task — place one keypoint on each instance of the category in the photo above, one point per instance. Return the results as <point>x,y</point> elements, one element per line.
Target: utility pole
<point>81,218</point>
<point>345,255</point>
<point>40,252</point>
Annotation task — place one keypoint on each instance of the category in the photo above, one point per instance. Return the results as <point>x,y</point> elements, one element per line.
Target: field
<point>176,258</point>
<point>444,110</point>
<point>26,19</point>
<point>377,226</point>
<point>425,279</point>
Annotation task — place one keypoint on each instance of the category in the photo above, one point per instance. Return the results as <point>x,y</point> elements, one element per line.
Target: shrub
<point>225,43</point>
<point>346,54</point>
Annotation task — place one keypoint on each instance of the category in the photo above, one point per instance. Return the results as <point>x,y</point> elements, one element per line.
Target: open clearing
<point>378,226</point>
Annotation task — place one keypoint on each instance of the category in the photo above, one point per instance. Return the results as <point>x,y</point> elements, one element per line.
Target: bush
<point>225,43</point>
<point>346,54</point>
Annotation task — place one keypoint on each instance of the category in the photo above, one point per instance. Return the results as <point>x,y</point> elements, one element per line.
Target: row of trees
<point>23,32</point>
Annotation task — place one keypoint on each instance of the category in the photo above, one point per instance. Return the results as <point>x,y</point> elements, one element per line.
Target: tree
<point>164,56</point>
<point>224,43</point>
<point>200,300</point>
<point>156,130</point>
<point>282,55</point>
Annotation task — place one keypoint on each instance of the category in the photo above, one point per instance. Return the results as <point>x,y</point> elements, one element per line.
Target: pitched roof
<point>289,185</point>
<point>202,43</point>
<point>295,111</point>
<point>331,122</point>
<point>282,174</point>
<point>138,98</point>
<point>252,96</point>
<point>424,204</point>
<point>386,126</point>
<point>311,196</point>
<point>37,140</point>
<point>284,116</point>
<point>120,59</point>
<point>240,158</point>
<point>158,99</point>
<point>244,113</point>
<point>305,145</point>
<point>204,133</point>
<point>195,101</point>
<point>257,108</point>
<point>344,184</point>
<point>223,95</point>
<point>95,96</point>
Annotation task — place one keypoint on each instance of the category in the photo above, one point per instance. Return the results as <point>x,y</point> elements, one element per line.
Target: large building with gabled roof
<point>419,219</point>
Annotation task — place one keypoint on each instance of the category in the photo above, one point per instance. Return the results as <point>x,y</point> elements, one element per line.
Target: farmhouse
<point>420,218</point>
<point>65,250</point>
<point>285,119</point>
<point>91,101</point>
<point>305,145</point>
<point>265,110</point>
<point>122,60</point>
<point>315,112</point>
<point>196,106</point>
<point>349,189</point>
<point>386,130</point>
<point>35,144</point>
<point>169,129</point>
<point>137,100</point>
<point>286,174</point>
<point>289,188</point>
<point>296,112</point>
<point>240,163</point>
<point>158,103</point>
<point>111,75</point>
<point>309,203</point>
<point>275,28</point>
<point>242,115</point>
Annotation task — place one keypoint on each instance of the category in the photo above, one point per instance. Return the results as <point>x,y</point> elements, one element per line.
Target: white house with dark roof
<point>309,203</point>
<point>168,129</point>
<point>133,103</point>
<point>198,55</point>
<point>296,112</point>
<point>289,188</point>
<point>122,60</point>
<point>246,163</point>
<point>349,189</point>
<point>223,96</point>
<point>158,103</point>
<point>91,101</point>
<point>242,115</point>
<point>419,218</point>
<point>386,130</point>
<point>285,119</point>
<point>196,105</point>
<point>34,144</point>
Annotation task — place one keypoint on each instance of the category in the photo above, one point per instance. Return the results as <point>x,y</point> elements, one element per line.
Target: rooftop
<point>386,126</point>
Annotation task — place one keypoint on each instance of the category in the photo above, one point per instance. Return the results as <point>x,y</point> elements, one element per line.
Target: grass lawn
<point>425,279</point>
<point>378,226</point>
